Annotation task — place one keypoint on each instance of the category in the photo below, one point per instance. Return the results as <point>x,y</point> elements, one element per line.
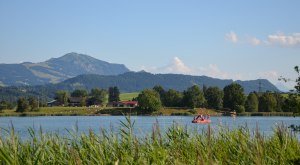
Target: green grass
<point>128,96</point>
<point>187,111</point>
<point>55,111</point>
<point>268,114</point>
<point>175,146</point>
<point>90,111</point>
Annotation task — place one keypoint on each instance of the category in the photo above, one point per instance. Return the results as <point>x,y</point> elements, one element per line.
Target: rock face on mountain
<point>56,70</point>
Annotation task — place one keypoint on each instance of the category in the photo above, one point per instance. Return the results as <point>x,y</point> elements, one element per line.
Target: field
<point>55,111</point>
<point>128,96</point>
<point>176,146</point>
<point>187,112</point>
<point>90,111</point>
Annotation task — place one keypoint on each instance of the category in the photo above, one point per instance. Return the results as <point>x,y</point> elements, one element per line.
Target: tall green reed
<point>177,145</point>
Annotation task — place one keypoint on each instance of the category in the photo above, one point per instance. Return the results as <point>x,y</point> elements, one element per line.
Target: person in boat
<point>199,117</point>
<point>207,116</point>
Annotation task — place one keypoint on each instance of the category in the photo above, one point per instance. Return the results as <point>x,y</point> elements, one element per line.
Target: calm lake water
<point>143,124</point>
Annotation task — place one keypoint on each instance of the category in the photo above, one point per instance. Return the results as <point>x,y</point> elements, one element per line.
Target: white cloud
<point>271,75</point>
<point>177,66</point>
<point>254,41</point>
<point>277,39</point>
<point>213,70</point>
<point>284,40</point>
<point>232,37</point>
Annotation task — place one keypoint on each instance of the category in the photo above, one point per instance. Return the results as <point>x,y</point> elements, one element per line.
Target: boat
<point>233,114</point>
<point>201,121</point>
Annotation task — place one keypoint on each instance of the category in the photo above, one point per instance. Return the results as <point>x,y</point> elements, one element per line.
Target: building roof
<point>50,102</point>
<point>75,99</point>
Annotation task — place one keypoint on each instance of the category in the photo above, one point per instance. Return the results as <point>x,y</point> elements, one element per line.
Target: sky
<point>224,39</point>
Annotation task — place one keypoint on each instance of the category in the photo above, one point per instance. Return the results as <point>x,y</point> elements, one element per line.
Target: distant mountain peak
<point>58,69</point>
<point>73,56</point>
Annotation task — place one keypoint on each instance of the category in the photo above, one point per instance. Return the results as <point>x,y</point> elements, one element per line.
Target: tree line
<point>96,96</point>
<point>231,98</point>
<point>63,98</point>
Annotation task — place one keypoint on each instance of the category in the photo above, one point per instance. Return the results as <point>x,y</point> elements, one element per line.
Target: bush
<point>240,109</point>
<point>181,114</point>
<point>193,111</point>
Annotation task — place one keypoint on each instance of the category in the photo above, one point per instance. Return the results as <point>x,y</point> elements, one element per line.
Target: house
<point>131,104</point>
<point>76,101</point>
<point>53,103</point>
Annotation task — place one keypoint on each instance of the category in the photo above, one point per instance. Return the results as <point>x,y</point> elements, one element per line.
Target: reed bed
<point>177,145</point>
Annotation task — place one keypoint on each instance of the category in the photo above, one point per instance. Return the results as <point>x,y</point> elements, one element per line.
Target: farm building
<point>53,103</point>
<point>131,104</point>
<point>75,101</point>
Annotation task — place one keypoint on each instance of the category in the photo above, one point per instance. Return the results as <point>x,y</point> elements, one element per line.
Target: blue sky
<point>224,39</point>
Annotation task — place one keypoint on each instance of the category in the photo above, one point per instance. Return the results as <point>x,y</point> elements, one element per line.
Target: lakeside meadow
<point>113,111</point>
<point>177,145</point>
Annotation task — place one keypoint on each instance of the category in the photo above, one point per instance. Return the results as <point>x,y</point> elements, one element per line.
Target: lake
<point>143,124</point>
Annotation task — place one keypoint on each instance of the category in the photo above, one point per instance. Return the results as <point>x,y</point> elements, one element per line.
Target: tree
<point>267,102</point>
<point>62,97</point>
<point>22,105</point>
<point>193,97</point>
<point>3,105</point>
<point>82,94</point>
<point>98,96</point>
<point>251,104</point>
<point>292,104</point>
<point>33,104</point>
<point>114,94</point>
<point>149,100</point>
<point>297,86</point>
<point>233,96</point>
<point>279,102</point>
<point>173,98</point>
<point>204,88</point>
<point>161,91</point>
<point>79,93</point>
<point>214,97</point>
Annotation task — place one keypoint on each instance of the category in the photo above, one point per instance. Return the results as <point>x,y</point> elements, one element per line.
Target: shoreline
<point>120,111</point>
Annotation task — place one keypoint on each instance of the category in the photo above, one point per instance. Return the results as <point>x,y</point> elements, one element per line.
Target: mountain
<point>282,87</point>
<point>56,70</point>
<point>137,81</point>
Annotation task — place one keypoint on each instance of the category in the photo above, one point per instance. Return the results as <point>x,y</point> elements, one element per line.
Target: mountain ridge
<point>137,81</point>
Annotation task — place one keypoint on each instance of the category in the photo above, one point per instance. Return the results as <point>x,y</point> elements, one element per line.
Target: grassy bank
<point>90,111</point>
<point>176,146</point>
<point>55,111</point>
<point>268,114</point>
<point>128,96</point>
